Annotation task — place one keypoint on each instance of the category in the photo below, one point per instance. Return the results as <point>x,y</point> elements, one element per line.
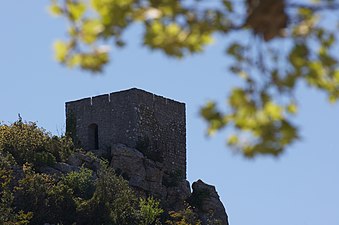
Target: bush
<point>113,201</point>
<point>49,201</point>
<point>149,211</point>
<point>82,183</point>
<point>184,217</point>
<point>8,215</point>
<point>28,143</point>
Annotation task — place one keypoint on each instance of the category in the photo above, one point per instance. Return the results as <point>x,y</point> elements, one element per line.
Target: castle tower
<point>154,125</point>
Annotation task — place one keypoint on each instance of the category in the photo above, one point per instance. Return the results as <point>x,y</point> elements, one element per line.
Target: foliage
<point>149,211</point>
<point>83,197</point>
<point>71,127</point>
<point>28,143</point>
<point>184,217</point>
<point>81,183</point>
<point>188,216</point>
<point>49,201</point>
<point>113,201</point>
<point>78,197</point>
<point>67,202</point>
<point>7,213</point>
<point>261,110</point>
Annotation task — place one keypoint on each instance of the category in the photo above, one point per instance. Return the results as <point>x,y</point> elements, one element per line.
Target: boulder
<point>101,153</point>
<point>75,159</point>
<point>142,173</point>
<point>79,159</point>
<point>49,170</point>
<point>147,176</point>
<point>207,203</point>
<point>129,162</point>
<point>65,168</point>
<point>154,173</point>
<point>177,195</point>
<point>154,177</point>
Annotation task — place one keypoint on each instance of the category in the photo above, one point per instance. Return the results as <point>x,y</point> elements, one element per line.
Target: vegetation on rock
<point>30,195</point>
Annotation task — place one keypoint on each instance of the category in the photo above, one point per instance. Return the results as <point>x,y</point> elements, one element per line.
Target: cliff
<point>148,178</point>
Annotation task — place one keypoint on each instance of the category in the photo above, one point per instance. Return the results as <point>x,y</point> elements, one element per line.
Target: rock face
<point>148,177</point>
<point>74,163</point>
<point>207,203</point>
<point>139,171</point>
<point>79,159</point>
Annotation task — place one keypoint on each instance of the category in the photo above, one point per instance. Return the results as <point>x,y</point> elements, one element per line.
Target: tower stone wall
<point>154,125</point>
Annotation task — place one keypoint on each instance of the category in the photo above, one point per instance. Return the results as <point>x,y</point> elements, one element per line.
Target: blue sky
<point>299,188</point>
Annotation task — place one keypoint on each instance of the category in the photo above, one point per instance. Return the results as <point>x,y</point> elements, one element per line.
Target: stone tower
<point>154,125</point>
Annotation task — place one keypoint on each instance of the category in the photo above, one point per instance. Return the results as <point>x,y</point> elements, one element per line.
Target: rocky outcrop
<point>148,177</point>
<point>60,168</point>
<point>65,168</point>
<point>74,163</point>
<point>80,159</point>
<point>140,172</point>
<point>206,201</point>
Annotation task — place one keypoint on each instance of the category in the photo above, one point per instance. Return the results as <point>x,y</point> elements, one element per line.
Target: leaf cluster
<point>184,217</point>
<point>169,26</point>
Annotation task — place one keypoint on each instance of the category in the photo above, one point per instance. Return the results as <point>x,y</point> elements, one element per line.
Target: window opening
<point>93,136</point>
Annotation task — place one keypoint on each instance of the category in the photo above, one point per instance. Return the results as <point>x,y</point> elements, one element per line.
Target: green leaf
<point>236,50</point>
<point>61,50</point>
<point>76,10</point>
<point>228,5</point>
<point>232,140</point>
<point>90,31</point>
<point>274,111</point>
<point>55,10</point>
<point>93,61</point>
<point>238,98</point>
<point>292,108</point>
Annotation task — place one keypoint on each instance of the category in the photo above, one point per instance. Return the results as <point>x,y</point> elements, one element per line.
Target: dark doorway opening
<point>93,136</point>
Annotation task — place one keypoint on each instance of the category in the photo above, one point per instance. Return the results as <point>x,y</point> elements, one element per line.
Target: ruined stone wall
<point>154,125</point>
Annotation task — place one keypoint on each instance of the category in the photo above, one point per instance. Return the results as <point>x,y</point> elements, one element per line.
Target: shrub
<point>29,143</point>
<point>113,201</point>
<point>183,217</point>
<point>49,201</point>
<point>8,215</point>
<point>149,211</point>
<point>82,182</point>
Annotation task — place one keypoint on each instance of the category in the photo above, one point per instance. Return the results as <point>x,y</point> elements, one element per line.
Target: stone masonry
<point>154,125</point>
